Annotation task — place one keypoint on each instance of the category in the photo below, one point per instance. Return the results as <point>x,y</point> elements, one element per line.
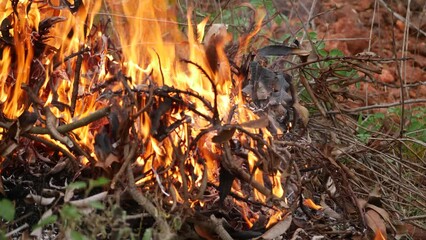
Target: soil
<point>361,26</point>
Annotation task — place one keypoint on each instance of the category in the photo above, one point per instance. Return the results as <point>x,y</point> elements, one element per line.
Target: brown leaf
<point>106,165</point>
<point>327,209</point>
<point>278,229</point>
<point>224,135</point>
<point>215,39</point>
<point>374,197</point>
<point>302,112</point>
<point>375,222</point>
<point>262,122</point>
<point>60,165</point>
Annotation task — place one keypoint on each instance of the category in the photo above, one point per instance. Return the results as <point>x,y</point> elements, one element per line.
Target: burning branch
<point>74,125</point>
<point>76,82</point>
<point>50,126</point>
<point>215,110</point>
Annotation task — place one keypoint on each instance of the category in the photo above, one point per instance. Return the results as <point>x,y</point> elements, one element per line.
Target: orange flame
<point>153,51</point>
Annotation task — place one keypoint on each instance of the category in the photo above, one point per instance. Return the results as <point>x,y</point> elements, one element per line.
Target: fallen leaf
<point>374,197</point>
<point>258,123</point>
<point>375,222</point>
<point>327,209</point>
<point>278,229</point>
<point>302,112</point>
<point>106,165</point>
<point>224,135</point>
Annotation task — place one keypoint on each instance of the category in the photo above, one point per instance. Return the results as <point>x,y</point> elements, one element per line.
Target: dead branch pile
<point>207,179</point>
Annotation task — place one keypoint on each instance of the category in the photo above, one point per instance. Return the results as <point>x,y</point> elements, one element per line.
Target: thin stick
<point>74,125</point>
<point>126,163</point>
<point>148,206</point>
<point>50,145</point>
<point>76,82</point>
<point>387,105</point>
<point>11,233</point>
<point>219,229</point>
<point>215,110</point>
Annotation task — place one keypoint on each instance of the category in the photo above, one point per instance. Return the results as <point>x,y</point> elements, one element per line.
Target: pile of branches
<point>308,155</point>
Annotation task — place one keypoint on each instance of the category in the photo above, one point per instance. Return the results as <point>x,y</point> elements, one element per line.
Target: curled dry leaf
<point>375,222</point>
<point>383,213</point>
<point>258,123</point>
<point>44,201</point>
<point>302,112</point>
<point>327,209</point>
<point>37,231</point>
<point>278,229</point>
<point>106,165</point>
<point>85,202</point>
<point>224,135</point>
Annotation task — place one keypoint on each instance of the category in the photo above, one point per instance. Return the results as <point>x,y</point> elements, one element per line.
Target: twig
<point>401,18</point>
<point>50,145</point>
<point>219,229</point>
<point>148,206</point>
<point>24,226</point>
<point>74,125</point>
<point>50,126</point>
<point>311,93</point>
<point>215,109</point>
<point>126,163</point>
<point>81,51</point>
<point>147,104</point>
<point>387,105</point>
<point>77,148</point>
<point>76,82</point>
<point>230,165</point>
<point>345,59</point>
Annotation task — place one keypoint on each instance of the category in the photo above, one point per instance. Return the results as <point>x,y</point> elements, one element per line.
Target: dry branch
<point>74,125</point>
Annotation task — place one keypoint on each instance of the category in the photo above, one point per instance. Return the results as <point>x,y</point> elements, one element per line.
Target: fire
<point>153,52</point>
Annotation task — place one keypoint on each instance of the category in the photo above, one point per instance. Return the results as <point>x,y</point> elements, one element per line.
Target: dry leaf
<point>224,135</point>
<point>327,209</point>
<point>302,112</point>
<point>106,165</point>
<point>59,166</point>
<point>85,202</point>
<point>374,197</point>
<point>375,222</point>
<point>278,229</point>
<point>43,201</point>
<point>310,204</point>
<point>262,122</point>
<point>216,32</point>
<point>37,232</point>
<point>215,39</point>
